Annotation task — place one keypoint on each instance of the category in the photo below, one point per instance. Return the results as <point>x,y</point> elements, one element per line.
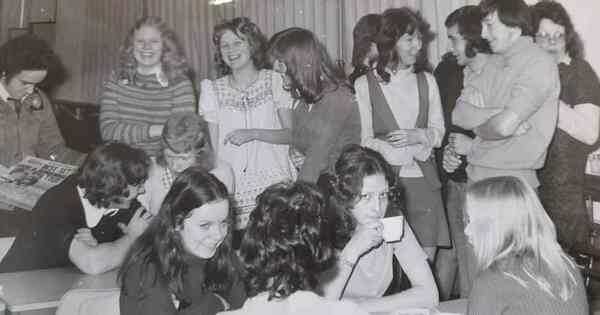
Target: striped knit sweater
<point>128,110</point>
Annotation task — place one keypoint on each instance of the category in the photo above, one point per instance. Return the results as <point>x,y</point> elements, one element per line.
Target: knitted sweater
<point>128,109</point>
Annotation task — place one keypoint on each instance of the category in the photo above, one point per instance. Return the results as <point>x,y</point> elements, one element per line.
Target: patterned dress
<point>256,164</point>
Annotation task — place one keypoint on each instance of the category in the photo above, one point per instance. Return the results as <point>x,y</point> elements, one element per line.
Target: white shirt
<point>403,97</point>
<point>93,214</point>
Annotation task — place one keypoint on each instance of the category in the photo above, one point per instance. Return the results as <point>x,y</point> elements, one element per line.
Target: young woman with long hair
<point>183,263</point>
<point>522,268</point>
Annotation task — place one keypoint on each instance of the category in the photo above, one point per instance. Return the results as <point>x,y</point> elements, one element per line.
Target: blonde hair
<point>174,63</point>
<point>509,226</point>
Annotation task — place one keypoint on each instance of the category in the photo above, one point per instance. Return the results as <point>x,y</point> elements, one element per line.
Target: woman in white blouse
<point>417,126</point>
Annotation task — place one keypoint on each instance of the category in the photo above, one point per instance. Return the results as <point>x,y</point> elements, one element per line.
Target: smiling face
<point>500,36</point>
<point>205,229</point>
<point>372,201</point>
<point>457,45</point>
<point>551,37</point>
<point>235,50</point>
<point>147,49</point>
<point>23,83</point>
<point>407,48</point>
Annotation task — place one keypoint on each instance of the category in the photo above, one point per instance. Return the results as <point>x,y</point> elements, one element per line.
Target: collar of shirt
<point>93,214</point>
<point>566,60</point>
<point>400,73</point>
<point>4,95</point>
<point>162,79</point>
<point>514,52</point>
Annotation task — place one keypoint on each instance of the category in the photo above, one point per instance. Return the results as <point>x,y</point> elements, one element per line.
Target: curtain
<point>193,20</point>
<point>90,32</point>
<point>434,11</point>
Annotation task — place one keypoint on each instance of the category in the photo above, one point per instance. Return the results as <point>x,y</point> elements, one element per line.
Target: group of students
<point>177,190</point>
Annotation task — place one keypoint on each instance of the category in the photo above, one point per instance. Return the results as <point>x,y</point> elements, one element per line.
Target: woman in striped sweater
<point>150,83</point>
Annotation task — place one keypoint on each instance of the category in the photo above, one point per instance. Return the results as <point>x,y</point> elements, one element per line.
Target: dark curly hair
<point>395,23</point>
<point>343,186</point>
<point>186,132</point>
<point>468,20</point>
<point>309,66</point>
<point>288,240</point>
<point>162,247</point>
<point>174,64</point>
<point>556,13</point>
<point>364,34</point>
<point>29,52</point>
<point>513,13</point>
<point>109,169</point>
<point>246,30</point>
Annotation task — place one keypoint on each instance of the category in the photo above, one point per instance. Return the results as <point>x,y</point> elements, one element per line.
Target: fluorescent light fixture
<point>217,2</point>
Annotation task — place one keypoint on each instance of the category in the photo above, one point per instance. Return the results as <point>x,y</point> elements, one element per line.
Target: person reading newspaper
<point>90,219</point>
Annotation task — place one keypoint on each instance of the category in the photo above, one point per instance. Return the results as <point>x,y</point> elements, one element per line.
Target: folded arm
<point>527,95</point>
<point>581,122</point>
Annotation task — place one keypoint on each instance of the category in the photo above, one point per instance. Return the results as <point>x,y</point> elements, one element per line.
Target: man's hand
<point>522,129</point>
<point>84,235</point>
<point>138,223</point>
<point>460,143</point>
<point>451,160</point>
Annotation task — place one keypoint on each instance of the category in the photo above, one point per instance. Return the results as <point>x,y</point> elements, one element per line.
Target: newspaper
<point>24,183</point>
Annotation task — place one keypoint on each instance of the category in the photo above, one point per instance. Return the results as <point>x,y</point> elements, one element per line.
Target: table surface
<point>453,306</point>
<point>40,289</point>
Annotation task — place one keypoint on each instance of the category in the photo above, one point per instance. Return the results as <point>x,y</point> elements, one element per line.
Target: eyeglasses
<point>543,36</point>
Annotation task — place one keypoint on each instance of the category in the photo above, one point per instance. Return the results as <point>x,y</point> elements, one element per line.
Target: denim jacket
<point>33,132</point>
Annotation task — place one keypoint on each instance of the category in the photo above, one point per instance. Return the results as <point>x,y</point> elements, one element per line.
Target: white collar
<point>4,95</point>
<point>566,60</point>
<point>162,78</point>
<point>93,214</point>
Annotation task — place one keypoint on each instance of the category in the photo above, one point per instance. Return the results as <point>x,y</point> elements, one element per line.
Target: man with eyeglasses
<point>516,111</point>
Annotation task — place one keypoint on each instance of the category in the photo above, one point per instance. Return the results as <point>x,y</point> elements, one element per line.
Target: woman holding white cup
<point>358,191</point>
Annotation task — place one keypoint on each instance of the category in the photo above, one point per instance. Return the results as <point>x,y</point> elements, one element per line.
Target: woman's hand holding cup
<point>364,239</point>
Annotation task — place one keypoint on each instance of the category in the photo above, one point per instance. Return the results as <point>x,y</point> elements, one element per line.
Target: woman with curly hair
<point>248,113</point>
<point>522,268</point>
<point>402,119</point>
<point>184,143</point>
<point>90,219</point>
<point>288,243</point>
<point>325,116</point>
<point>358,191</point>
<point>183,263</point>
<point>150,83</point>
<point>561,189</point>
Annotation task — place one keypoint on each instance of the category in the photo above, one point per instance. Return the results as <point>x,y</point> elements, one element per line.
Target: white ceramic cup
<point>393,228</point>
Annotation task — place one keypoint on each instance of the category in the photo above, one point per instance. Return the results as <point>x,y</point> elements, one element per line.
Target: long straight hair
<point>508,226</point>
<point>161,244</point>
<point>308,63</point>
